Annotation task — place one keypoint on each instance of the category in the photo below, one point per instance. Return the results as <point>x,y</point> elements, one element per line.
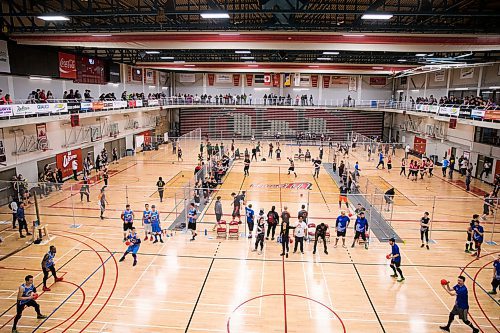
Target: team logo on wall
<point>290,186</point>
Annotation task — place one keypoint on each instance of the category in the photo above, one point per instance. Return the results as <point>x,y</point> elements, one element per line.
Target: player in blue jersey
<point>478,236</point>
<point>361,228</point>
<point>395,257</point>
<point>49,266</point>
<point>135,244</point>
<point>146,222</point>
<point>250,214</point>
<point>26,296</point>
<point>155,224</point>
<point>128,220</point>
<point>461,307</point>
<point>341,225</point>
<point>496,276</point>
<point>192,216</point>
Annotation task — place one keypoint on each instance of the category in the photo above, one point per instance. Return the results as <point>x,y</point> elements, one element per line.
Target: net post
<point>74,225</point>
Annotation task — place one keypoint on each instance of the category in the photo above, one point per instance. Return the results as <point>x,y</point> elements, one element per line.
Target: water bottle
<point>205,232</point>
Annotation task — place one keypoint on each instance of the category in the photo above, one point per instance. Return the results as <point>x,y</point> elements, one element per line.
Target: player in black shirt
<point>424,230</point>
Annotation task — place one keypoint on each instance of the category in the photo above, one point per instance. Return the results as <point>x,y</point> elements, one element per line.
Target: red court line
<point>463,270</point>
<point>100,181</point>
<point>475,295</point>
<point>112,290</point>
<point>74,313</point>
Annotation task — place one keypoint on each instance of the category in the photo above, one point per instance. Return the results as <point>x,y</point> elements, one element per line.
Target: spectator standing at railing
<point>42,97</point>
<point>78,96</point>
<point>50,96</point>
<point>5,100</point>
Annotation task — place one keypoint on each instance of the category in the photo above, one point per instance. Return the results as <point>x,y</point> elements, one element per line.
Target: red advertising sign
<point>131,104</point>
<point>249,80</point>
<point>97,105</point>
<point>276,80</point>
<point>236,80</point>
<point>211,79</point>
<point>67,66</point>
<point>64,161</point>
<point>314,81</point>
<point>419,144</point>
<point>267,79</point>
<point>326,81</point>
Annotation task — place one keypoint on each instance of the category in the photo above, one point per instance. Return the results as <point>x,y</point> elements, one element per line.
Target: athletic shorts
<point>478,243</point>
<point>342,198</point>
<point>396,263</point>
<point>192,226</point>
<point>341,233</point>
<point>236,211</point>
<point>291,169</point>
<point>148,227</point>
<point>462,313</point>
<point>360,233</point>
<point>127,226</point>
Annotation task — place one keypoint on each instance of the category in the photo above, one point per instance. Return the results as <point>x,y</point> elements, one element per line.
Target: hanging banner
<point>339,80</point>
<point>326,81</point>
<point>6,111</point>
<point>314,81</point>
<point>288,80</point>
<point>25,109</point>
<point>163,79</point>
<point>439,76</point>
<point>305,80</point>
<point>211,79</point>
<point>4,57</point>
<point>67,66</point>
<point>249,79</point>
<point>134,74</point>
<point>187,78</point>
<point>236,80</point>
<point>276,80</point>
<point>378,81</point>
<point>267,79</point>
<point>41,134</point>
<point>296,79</point>
<point>466,73</point>
<point>259,78</point>
<point>223,78</point>
<point>149,76</point>
<point>64,161</point>
<point>353,86</point>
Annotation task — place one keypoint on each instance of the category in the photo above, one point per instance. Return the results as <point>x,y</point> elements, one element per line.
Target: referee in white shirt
<point>300,232</point>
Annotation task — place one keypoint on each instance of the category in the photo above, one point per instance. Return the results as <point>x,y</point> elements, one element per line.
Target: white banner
<point>353,83</point>
<point>445,110</point>
<point>6,110</point>
<point>4,57</point>
<point>108,105</point>
<point>153,102</point>
<point>25,109</point>
<point>119,104</point>
<point>305,80</point>
<point>224,78</point>
<point>138,103</point>
<point>189,78</point>
<point>86,106</point>
<point>296,79</point>
<point>439,76</point>
<point>50,107</point>
<point>477,113</point>
<point>455,111</point>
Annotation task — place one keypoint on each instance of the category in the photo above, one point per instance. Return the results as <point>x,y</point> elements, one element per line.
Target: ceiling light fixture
<point>167,58</point>
<point>152,52</point>
<point>494,87</point>
<point>242,52</point>
<point>377,16</point>
<point>330,53</point>
<point>214,15</point>
<point>41,78</point>
<point>460,89</point>
<point>53,18</point>
<point>402,60</point>
<point>324,58</point>
<point>420,55</point>
<point>247,58</point>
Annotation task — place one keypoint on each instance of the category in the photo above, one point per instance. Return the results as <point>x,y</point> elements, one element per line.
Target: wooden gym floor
<point>215,285</point>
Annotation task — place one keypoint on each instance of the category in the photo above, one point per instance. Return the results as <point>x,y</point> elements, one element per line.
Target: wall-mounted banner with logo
<point>276,80</point>
<point>288,80</point>
<point>6,111</point>
<point>41,135</point>
<point>353,83</point>
<point>249,78</point>
<point>67,66</point>
<point>236,80</point>
<point>64,161</point>
<point>259,78</point>
<point>326,81</point>
<point>119,104</point>
<point>267,79</point>
<point>296,79</point>
<point>187,78</point>
<point>4,57</point>
<point>86,106</point>
<point>466,73</point>
<point>211,79</point>
<point>439,76</point>
<point>97,105</point>
<point>378,80</point>
<point>340,80</point>
<point>25,109</point>
<point>314,81</point>
<point>149,76</point>
<point>153,102</point>
<point>223,78</point>
<point>305,80</point>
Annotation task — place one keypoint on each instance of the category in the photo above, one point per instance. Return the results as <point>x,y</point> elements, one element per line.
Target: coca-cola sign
<point>67,66</point>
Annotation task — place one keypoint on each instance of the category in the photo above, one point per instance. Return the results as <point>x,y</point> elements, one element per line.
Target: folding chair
<point>311,231</point>
<point>222,229</point>
<point>234,230</point>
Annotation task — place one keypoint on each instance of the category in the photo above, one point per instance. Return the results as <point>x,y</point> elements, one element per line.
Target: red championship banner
<point>249,79</point>
<point>67,66</point>
<point>267,79</point>
<point>378,81</point>
<point>419,144</point>
<point>326,81</point>
<point>276,80</point>
<point>236,80</point>
<point>64,161</point>
<point>211,79</point>
<point>41,135</point>
<point>314,81</point>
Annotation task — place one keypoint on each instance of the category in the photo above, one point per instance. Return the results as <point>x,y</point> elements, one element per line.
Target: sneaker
<point>15,331</point>
<point>151,238</point>
<point>314,252</point>
<point>22,236</point>
<point>271,238</point>
<point>267,238</point>
<point>146,238</point>
<point>156,241</point>
<point>286,255</point>
<point>121,259</point>
<point>161,240</point>
<point>254,250</point>
<point>366,246</point>
<point>294,252</point>
<point>326,252</point>
<point>394,275</point>
<point>352,245</point>
<point>282,254</point>
<point>475,330</point>
<point>46,289</point>
<point>493,292</point>
<point>135,263</point>
<point>427,246</point>
<point>41,316</point>
<point>445,328</point>
<point>422,245</point>
<point>302,252</point>
<point>401,280</point>
<point>29,234</point>
<point>259,253</point>
<point>335,246</point>
<point>124,239</point>
<point>59,279</point>
<point>192,239</point>
<point>467,251</point>
<point>343,245</point>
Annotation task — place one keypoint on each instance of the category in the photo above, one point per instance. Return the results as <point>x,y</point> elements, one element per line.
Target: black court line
<point>290,260</point>
<point>202,287</point>
<point>321,192</point>
<point>57,270</point>
<point>366,292</point>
